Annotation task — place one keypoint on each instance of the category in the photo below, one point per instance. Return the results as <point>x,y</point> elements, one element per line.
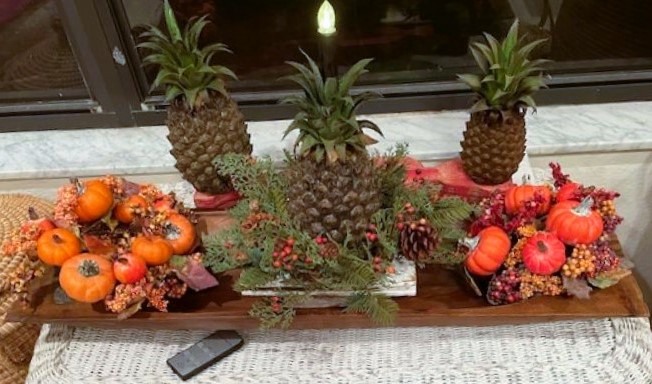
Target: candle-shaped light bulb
<point>326,19</point>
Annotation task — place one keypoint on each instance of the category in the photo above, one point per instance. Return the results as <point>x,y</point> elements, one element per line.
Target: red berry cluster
<point>560,178</point>
<point>286,257</point>
<point>605,257</point>
<point>505,288</point>
<point>379,266</point>
<point>277,304</point>
<point>371,233</point>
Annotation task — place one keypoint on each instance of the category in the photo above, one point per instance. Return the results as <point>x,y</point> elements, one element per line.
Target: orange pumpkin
<point>575,222</point>
<point>94,200</point>
<point>487,251</point>
<point>125,211</point>
<point>180,232</point>
<point>57,245</point>
<point>155,250</point>
<point>87,278</point>
<point>517,196</point>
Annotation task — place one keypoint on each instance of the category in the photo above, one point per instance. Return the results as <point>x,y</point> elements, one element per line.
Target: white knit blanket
<point>596,351</point>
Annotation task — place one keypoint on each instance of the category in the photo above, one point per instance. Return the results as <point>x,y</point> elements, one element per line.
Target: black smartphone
<point>205,353</point>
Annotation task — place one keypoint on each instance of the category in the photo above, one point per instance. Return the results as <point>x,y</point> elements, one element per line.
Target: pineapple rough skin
<point>197,137</point>
<point>334,198</point>
<point>493,146</point>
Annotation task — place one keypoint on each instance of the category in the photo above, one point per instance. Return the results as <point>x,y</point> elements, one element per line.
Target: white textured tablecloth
<point>597,351</point>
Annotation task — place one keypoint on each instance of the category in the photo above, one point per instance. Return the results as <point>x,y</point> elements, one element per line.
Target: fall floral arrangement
<point>544,240</point>
<point>111,240</point>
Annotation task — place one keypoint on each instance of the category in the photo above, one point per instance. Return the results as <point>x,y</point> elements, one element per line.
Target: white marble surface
<point>431,136</point>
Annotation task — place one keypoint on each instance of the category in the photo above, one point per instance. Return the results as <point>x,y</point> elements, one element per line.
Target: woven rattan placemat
<point>16,340</point>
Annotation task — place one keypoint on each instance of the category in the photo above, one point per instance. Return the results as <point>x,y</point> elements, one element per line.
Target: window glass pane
<point>36,61</point>
<point>411,40</point>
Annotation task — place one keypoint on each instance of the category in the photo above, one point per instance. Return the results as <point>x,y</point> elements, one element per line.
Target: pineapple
<point>202,119</point>
<point>494,139</point>
<point>334,185</point>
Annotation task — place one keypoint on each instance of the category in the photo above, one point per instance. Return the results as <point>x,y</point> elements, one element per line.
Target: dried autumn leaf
<point>131,310</point>
<point>98,246</point>
<point>129,188</point>
<point>607,279</point>
<point>577,287</point>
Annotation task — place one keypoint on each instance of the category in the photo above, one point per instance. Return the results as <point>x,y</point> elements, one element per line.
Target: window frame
<point>97,28</point>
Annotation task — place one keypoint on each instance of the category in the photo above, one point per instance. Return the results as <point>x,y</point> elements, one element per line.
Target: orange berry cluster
<point>515,255</point>
<point>526,230</point>
<point>581,261</point>
<point>115,184</point>
<point>532,284</point>
<point>607,208</point>
<point>64,209</point>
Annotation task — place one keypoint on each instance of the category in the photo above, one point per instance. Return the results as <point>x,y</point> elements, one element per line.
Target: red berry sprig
<point>371,233</point>
<point>285,257</point>
<point>504,288</point>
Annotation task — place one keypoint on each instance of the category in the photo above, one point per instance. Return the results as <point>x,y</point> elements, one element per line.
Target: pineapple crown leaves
<point>184,67</point>
<point>326,121</point>
<point>508,77</point>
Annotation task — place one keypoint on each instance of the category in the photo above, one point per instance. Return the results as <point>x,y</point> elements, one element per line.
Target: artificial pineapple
<point>494,140</point>
<point>334,185</point>
<point>203,120</point>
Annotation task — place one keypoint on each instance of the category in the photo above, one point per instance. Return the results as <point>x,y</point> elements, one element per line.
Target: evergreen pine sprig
<point>252,278</point>
<point>256,180</point>
<point>380,308</point>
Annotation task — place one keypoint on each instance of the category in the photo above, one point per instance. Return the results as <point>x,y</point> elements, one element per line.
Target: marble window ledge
<point>431,136</point>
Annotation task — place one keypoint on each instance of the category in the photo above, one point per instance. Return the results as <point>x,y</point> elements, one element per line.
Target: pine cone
<point>418,240</point>
<point>329,251</point>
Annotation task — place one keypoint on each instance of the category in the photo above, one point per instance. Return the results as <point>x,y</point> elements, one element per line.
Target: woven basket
<point>16,340</point>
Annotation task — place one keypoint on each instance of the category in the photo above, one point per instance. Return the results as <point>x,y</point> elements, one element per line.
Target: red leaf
<point>221,201</point>
<point>193,273</point>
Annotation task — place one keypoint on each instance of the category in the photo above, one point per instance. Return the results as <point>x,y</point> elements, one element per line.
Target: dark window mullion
<point>85,32</point>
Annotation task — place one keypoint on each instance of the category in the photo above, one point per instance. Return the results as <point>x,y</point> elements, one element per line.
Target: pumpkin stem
<point>78,185</point>
<point>470,242</point>
<point>541,246</point>
<point>584,209</point>
<point>57,239</point>
<point>172,232</point>
<point>89,268</point>
<point>122,260</point>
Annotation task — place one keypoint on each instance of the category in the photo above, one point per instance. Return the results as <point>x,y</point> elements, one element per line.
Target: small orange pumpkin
<point>155,250</point>
<point>87,278</point>
<point>517,196</point>
<point>94,200</point>
<point>180,232</point>
<point>125,211</point>
<point>57,245</point>
<point>487,251</point>
<point>575,222</point>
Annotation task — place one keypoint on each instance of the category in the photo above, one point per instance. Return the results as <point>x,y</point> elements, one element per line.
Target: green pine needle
<point>380,308</point>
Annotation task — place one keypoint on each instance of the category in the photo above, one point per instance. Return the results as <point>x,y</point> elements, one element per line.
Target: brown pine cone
<point>418,240</point>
